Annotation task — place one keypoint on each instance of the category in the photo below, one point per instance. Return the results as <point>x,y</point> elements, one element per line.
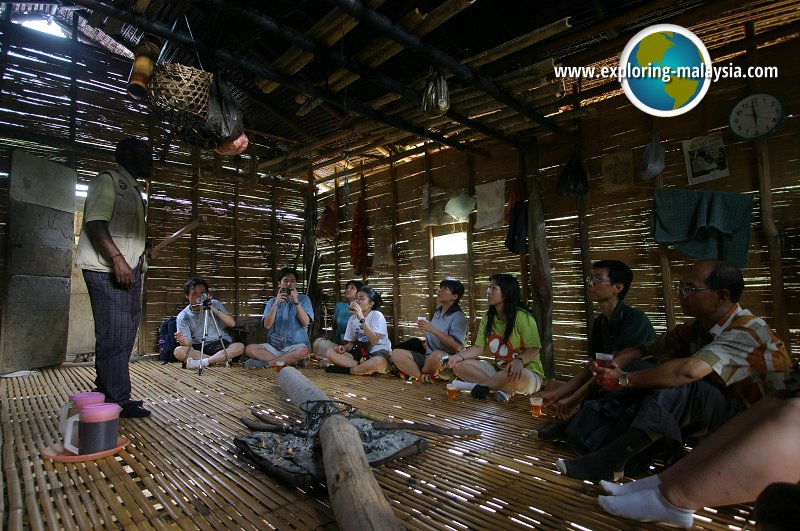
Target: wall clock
<point>755,116</point>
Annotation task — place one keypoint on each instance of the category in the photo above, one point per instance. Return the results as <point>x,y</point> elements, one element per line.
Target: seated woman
<point>509,333</point>
<point>733,465</point>
<point>367,347</point>
<point>444,335</point>
<point>341,315</point>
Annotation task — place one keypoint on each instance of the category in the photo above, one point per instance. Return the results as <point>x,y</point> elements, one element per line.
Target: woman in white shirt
<point>367,348</point>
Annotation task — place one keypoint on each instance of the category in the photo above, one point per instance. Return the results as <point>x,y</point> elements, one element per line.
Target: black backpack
<point>166,340</point>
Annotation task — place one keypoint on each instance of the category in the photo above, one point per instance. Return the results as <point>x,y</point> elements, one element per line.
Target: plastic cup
<point>279,365</point>
<point>452,391</point>
<point>536,406</point>
<point>603,360</point>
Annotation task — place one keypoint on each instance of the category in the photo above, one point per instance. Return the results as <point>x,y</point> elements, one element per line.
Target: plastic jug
<point>74,405</point>
<point>97,426</point>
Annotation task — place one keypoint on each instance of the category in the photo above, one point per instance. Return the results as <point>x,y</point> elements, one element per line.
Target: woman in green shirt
<point>509,334</point>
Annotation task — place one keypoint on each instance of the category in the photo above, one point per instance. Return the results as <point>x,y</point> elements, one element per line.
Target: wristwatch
<point>296,302</point>
<point>624,380</point>
<point>362,321</point>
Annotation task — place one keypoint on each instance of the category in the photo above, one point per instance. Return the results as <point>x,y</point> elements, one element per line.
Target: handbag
<point>278,342</point>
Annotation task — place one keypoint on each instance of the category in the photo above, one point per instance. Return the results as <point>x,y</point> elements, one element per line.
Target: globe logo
<point>665,70</point>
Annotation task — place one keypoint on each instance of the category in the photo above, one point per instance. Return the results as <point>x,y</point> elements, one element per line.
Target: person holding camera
<point>444,336</point>
<point>341,315</point>
<point>286,316</point>
<point>194,319</point>
<point>367,347</point>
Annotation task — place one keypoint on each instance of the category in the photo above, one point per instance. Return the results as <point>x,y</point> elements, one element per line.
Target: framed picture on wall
<point>617,171</point>
<point>705,159</point>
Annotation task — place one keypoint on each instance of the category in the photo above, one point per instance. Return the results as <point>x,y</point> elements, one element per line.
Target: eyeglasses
<point>687,290</point>
<point>596,280</point>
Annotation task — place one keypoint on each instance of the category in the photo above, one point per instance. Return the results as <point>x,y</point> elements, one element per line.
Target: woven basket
<point>179,95</point>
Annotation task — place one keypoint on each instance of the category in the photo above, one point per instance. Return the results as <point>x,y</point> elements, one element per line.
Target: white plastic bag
<point>652,159</point>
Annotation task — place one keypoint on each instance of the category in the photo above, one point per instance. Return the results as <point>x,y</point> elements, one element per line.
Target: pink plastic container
<point>74,405</point>
<point>97,426</point>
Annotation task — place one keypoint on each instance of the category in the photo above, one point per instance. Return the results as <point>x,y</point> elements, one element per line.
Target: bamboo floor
<point>182,470</point>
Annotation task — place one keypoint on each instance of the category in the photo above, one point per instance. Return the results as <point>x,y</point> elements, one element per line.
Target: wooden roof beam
<point>442,60</point>
<point>227,57</point>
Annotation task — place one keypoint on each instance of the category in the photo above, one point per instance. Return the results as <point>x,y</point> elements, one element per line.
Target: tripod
<point>206,313</point>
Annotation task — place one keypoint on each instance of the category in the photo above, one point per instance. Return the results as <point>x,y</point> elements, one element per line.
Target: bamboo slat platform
<point>181,469</point>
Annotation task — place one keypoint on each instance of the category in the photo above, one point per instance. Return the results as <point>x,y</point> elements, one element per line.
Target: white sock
<point>647,506</point>
<point>194,364</point>
<point>615,489</point>
<point>463,386</point>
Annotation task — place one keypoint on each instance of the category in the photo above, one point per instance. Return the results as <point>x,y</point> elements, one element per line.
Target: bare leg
<point>470,371</point>
<point>433,363</point>
<point>752,450</point>
<point>257,352</point>
<point>342,360</point>
<point>404,361</point>
<point>296,355</point>
<point>234,349</point>
<point>374,364</point>
<point>181,352</point>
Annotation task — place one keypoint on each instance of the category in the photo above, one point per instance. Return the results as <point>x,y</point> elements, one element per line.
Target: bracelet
<point>116,255</point>
<point>462,356</point>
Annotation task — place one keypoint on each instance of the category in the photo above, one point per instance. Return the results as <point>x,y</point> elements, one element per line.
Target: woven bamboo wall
<point>234,250</point>
<point>619,221</point>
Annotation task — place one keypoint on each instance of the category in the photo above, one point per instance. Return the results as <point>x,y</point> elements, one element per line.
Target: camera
<point>204,301</point>
<point>287,291</point>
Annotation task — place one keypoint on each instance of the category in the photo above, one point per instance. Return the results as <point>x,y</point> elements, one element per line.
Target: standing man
<point>286,317</point>
<point>110,252</point>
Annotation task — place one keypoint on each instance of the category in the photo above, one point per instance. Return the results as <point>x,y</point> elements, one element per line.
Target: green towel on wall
<point>704,225</point>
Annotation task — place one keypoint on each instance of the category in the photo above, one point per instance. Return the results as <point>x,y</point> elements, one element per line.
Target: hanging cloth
<point>491,203</point>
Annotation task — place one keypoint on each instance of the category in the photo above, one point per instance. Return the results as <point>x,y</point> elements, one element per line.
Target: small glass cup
<point>603,360</point>
<point>452,391</point>
<point>536,406</point>
<point>279,365</point>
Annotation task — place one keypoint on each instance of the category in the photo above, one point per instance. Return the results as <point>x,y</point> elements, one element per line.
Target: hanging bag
<point>573,179</point>
<point>652,159</point>
<point>436,99</point>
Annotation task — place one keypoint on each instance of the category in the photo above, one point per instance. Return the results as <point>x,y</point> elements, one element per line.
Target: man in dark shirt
<point>617,326</point>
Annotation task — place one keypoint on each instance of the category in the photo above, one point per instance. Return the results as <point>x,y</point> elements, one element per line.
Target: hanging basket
<point>179,95</point>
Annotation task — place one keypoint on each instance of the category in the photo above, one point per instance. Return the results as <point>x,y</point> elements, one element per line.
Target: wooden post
<point>363,183</point>
<point>195,200</point>
<point>473,319</point>
<point>431,303</point>
<point>337,284</point>
<point>586,262</point>
<point>767,217</point>
<point>396,267</point>
<point>666,274</point>
<point>273,235</point>
<point>539,259</point>
<point>356,498</point>
<point>236,250</point>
